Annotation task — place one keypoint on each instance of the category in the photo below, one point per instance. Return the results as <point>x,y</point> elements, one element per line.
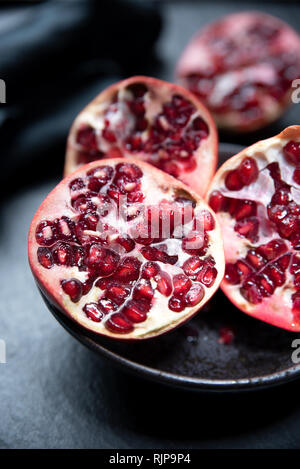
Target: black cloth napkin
<point>55,56</point>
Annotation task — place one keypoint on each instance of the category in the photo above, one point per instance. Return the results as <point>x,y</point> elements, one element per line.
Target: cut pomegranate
<point>260,222</point>
<point>92,262</point>
<point>242,67</point>
<point>150,120</point>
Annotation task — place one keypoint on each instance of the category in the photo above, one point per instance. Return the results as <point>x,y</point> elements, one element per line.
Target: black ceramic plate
<point>193,357</point>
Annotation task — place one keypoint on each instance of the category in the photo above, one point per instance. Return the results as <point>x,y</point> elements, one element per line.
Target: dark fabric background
<point>54,393</point>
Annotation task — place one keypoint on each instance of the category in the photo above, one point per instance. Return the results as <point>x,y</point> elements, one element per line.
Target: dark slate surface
<point>54,393</point>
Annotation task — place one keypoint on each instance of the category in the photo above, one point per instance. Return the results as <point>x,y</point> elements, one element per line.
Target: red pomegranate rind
<point>260,223</point>
<point>242,67</point>
<point>150,120</point>
<point>93,264</point>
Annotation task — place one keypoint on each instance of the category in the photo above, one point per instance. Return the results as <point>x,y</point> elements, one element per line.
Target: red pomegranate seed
<point>226,335</point>
<point>248,228</point>
<point>131,171</point>
<point>86,137</point>
<point>272,249</point>
<point>154,254</point>
<point>119,323</point>
<point>204,221</point>
<point>276,213</point>
<point>181,284</point>
<point>251,292</point>
<point>247,171</point>
<point>296,176</point>
<point>164,284</point>
<point>255,259</point>
<point>275,274</point>
<point>245,209</point>
<point>150,269</point>
<point>93,312</point>
<point>176,304</point>
<point>232,274</point>
<point>282,196</point>
<point>77,184</point>
<point>284,261</point>
<point>134,312</point>
<point>233,182</point>
<point>62,254</point>
<point>45,257</point>
<point>292,152</point>
<point>73,288</point>
<point>106,305</point>
<point>95,254</point>
<point>288,225</point>
<point>143,290</point>
<point>196,243</point>
<point>192,266</point>
<point>126,242</point>
<point>103,174</point>
<point>78,256</point>
<point>129,269</point>
<point>83,204</point>
<point>194,295</point>
<point>207,276</point>
<point>266,284</point>
<point>117,293</point>
<point>243,268</point>
<point>217,201</point>
<point>45,233</point>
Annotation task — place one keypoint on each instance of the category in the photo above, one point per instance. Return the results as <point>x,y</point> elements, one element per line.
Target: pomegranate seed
<point>119,323</point>
<point>272,249</point>
<point>245,209</point>
<point>45,233</point>
<point>204,221</point>
<point>77,184</point>
<point>73,288</point>
<point>282,196</point>
<point>164,284</point>
<point>176,304</point>
<point>288,225</point>
<point>284,261</point>
<point>117,293</point>
<point>195,243</point>
<point>62,254</point>
<point>126,242</point>
<point>251,292</point>
<point>266,284</point>
<point>106,305</point>
<point>131,171</point>
<point>78,256</point>
<point>207,275</point>
<point>296,176</point>
<point>93,312</point>
<point>292,152</point>
<point>45,258</point>
<point>255,259</point>
<point>233,182</point>
<point>86,137</point>
<point>83,204</point>
<point>192,266</point>
<point>276,213</point>
<point>275,274</point>
<point>247,171</point>
<point>109,135</point>
<point>248,228</point>
<point>134,312</point>
<point>232,274</point>
<point>154,254</point>
<point>217,201</point>
<point>226,336</point>
<point>95,255</point>
<point>243,268</point>
<point>129,269</point>
<point>103,174</point>
<point>194,295</point>
<point>150,269</point>
<point>181,284</point>
<point>143,290</point>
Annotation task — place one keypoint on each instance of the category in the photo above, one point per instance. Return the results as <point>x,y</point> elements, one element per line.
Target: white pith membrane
<point>156,186</point>
<point>277,309</point>
<point>122,123</point>
<point>242,68</point>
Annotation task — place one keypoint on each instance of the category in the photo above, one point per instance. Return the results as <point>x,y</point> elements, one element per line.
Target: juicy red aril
<point>103,260</point>
<point>275,274</point>
<point>181,284</point>
<point>255,259</point>
<point>119,323</point>
<point>176,304</point>
<point>243,268</point>
<point>83,204</point>
<point>217,201</point>
<point>164,284</point>
<point>73,288</point>
<point>77,184</point>
<point>87,138</point>
<point>45,257</point>
<point>204,221</point>
<point>232,274</point>
<point>93,312</point>
<point>194,295</point>
<point>195,243</point>
<point>126,242</point>
<point>62,254</point>
<point>207,275</point>
<point>288,225</point>
<point>251,292</point>
<point>128,269</point>
<point>117,293</point>
<point>244,209</point>
<point>106,305</point>
<point>192,266</point>
<point>46,233</point>
<point>103,174</point>
<point>281,197</point>
<point>247,171</point>
<point>150,269</point>
<point>247,228</point>
<point>134,312</point>
<point>296,176</point>
<point>292,152</point>
<point>143,290</point>
<point>272,249</point>
<point>154,254</point>
<point>232,181</point>
<point>131,171</point>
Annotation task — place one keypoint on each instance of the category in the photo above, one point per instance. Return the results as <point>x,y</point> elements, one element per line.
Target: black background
<point>53,392</point>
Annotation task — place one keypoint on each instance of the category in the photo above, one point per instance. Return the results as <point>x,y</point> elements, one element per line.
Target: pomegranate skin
<point>242,67</point>
<point>111,303</point>
<point>262,265</point>
<point>150,139</point>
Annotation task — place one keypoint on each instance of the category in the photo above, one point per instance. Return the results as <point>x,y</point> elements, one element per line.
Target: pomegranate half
<point>125,250</point>
<point>242,67</point>
<point>256,196</point>
<point>150,120</point>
